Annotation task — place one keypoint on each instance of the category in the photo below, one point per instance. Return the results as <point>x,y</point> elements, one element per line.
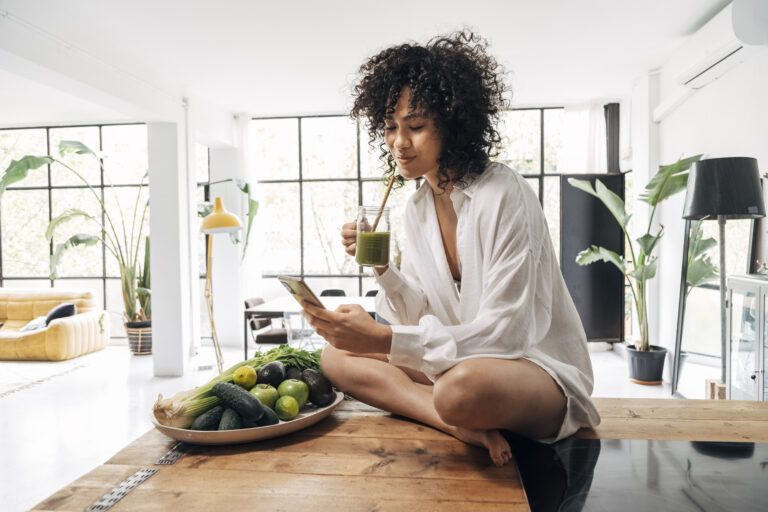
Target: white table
<point>276,308</point>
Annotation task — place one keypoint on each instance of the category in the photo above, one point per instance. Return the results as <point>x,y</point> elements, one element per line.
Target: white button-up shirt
<point>513,301</point>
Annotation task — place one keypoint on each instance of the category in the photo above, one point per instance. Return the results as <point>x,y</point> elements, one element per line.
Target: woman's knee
<point>338,366</point>
<point>455,396</point>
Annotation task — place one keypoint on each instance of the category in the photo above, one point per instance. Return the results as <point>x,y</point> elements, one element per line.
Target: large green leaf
<point>644,272</point>
<point>701,269</point>
<point>668,181</point>
<point>611,201</point>
<point>73,241</point>
<point>648,242</point>
<point>74,146</point>
<point>594,254</point>
<point>65,217</point>
<point>19,169</point>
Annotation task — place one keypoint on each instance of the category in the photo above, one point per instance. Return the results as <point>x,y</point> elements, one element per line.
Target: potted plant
<point>123,240</point>
<point>646,361</point>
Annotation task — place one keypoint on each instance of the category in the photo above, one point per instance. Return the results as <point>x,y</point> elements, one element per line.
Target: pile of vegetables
<point>181,409</point>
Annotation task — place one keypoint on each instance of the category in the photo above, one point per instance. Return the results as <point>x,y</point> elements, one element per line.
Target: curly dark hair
<point>455,82</point>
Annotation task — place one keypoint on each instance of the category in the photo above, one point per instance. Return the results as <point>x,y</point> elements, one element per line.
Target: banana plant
<point>124,243</point>
<point>641,265</point>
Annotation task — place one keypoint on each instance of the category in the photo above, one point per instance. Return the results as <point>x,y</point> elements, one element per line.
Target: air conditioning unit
<point>735,33</point>
<point>717,51</point>
<point>715,64</point>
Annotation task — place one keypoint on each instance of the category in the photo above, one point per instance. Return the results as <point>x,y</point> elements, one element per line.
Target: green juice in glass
<point>372,248</point>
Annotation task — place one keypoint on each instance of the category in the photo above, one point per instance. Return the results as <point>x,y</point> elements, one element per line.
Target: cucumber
<point>209,420</point>
<point>230,420</point>
<point>269,418</point>
<point>237,398</point>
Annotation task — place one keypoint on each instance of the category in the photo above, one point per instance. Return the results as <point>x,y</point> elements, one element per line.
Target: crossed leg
<point>471,401</point>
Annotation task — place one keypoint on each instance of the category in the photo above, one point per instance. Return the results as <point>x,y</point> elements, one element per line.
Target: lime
<point>286,407</point>
<point>245,377</point>
<point>296,388</point>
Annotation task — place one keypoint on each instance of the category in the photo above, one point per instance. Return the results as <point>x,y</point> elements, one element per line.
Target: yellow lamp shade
<point>220,220</point>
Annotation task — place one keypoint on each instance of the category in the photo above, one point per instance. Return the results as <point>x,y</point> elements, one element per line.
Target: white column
<point>645,164</point>
<point>169,203</point>
<point>228,265</point>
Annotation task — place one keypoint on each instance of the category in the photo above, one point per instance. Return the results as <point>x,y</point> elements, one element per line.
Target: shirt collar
<point>457,193</point>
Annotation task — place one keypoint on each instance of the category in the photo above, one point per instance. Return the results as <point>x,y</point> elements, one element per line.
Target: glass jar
<point>372,247</point>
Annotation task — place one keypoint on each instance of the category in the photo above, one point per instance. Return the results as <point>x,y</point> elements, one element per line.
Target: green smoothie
<point>372,248</point>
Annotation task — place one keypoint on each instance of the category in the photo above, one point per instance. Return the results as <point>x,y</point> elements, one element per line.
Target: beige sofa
<point>63,338</point>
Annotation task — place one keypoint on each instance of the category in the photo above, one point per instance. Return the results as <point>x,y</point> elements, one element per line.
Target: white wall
<point>725,118</point>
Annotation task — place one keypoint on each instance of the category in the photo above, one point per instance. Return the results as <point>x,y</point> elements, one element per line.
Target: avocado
<point>272,373</point>
<point>292,372</point>
<point>320,389</point>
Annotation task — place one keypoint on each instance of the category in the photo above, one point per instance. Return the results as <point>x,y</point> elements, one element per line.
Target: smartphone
<point>300,290</point>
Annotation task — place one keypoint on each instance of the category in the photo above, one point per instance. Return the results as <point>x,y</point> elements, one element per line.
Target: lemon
<point>245,377</point>
<point>286,407</point>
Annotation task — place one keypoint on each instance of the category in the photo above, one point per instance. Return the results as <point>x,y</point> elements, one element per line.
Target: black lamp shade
<point>724,186</point>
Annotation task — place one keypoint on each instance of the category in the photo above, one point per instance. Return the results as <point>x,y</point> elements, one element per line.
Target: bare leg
<point>372,379</point>
<point>514,394</point>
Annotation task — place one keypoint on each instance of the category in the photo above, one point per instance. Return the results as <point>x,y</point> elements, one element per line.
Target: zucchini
<point>237,398</point>
<point>230,420</point>
<point>209,420</point>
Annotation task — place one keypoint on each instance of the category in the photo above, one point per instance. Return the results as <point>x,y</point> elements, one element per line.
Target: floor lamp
<point>724,188</point>
<point>218,221</point>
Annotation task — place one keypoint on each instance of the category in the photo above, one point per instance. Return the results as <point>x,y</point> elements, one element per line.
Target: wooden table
<point>363,459</point>
<point>276,308</point>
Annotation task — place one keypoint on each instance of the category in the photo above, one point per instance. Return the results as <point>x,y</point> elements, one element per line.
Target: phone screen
<point>300,290</point>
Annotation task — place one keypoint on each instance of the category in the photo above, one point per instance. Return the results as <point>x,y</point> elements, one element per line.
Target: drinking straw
<point>383,202</point>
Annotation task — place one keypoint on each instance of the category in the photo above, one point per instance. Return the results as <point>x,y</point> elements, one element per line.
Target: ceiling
<point>289,57</point>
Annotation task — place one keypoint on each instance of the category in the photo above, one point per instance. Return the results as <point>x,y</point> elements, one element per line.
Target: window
<point>313,172</point>
<point>28,206</point>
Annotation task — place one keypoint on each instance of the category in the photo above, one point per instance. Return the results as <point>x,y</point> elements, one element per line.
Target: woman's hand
<point>349,238</point>
<point>349,241</point>
<point>350,328</point>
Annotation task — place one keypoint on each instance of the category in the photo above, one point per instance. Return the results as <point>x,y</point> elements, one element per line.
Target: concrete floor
<point>61,420</point>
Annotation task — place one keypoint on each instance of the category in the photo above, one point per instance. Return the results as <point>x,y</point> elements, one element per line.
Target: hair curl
<point>455,82</point>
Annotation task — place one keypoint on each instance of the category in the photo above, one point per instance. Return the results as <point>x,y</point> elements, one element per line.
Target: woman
<point>484,335</point>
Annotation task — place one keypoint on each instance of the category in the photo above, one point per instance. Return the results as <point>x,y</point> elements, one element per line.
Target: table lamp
<point>218,221</point>
<point>724,188</point>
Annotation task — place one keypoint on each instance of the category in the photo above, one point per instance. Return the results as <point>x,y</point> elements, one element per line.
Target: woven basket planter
<point>139,337</point>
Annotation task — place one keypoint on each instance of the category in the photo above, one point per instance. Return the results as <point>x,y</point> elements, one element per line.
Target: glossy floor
<point>60,420</point>
<point>639,475</point>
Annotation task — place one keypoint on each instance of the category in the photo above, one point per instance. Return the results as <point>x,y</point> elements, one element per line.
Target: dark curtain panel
<point>612,135</point>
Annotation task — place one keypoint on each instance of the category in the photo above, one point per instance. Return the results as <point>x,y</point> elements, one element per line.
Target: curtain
<point>584,140</point>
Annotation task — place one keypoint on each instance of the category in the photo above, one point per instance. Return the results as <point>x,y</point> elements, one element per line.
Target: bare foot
<point>498,447</point>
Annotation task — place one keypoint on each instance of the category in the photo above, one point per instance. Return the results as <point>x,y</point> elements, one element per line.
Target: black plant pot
<point>139,337</point>
<point>646,366</point>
